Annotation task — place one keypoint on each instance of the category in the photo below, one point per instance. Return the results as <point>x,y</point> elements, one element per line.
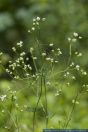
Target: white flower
<point>59,52</point>
<point>33,76</point>
<point>33,23</point>
<point>86,85</point>
<point>14,49</point>
<point>67,73</point>
<point>27,58</point>
<point>83,85</point>
<point>20,44</point>
<point>3,111</point>
<point>22,54</point>
<point>16,77</point>
<point>52,50</point>
<point>77,102</point>
<point>72,64</point>
<point>58,49</point>
<point>29,67</point>
<point>1,53</point>
<point>10,61</point>
<point>38,18</point>
<point>80,37</point>
<point>57,93</point>
<point>77,67</point>
<point>11,73</point>
<point>75,34</point>
<point>31,49</point>
<point>48,83</point>
<point>74,101</point>
<point>69,39</point>
<point>84,73</point>
<point>48,58</point>
<point>21,58</point>
<point>80,54</point>
<point>68,83</point>
<point>29,31</point>
<point>6,127</point>
<point>76,53</point>
<point>43,54</point>
<point>7,70</point>
<point>2,97</point>
<point>56,61</point>
<point>37,23</point>
<point>27,74</point>
<point>33,28</point>
<point>35,58</point>
<point>73,77</point>
<point>43,19</point>
<point>34,19</point>
<point>51,44</point>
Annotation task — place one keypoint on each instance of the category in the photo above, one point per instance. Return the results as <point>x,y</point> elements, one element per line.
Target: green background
<point>63,17</point>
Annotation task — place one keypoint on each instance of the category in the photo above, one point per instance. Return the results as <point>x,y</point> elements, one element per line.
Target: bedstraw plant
<point>36,76</point>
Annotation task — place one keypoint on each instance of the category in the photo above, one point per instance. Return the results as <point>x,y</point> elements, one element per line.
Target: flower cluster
<point>36,23</point>
<point>74,37</point>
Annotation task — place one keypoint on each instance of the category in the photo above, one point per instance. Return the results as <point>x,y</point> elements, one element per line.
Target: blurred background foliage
<point>63,17</point>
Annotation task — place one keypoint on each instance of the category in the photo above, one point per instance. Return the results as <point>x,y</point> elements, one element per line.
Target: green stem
<point>37,104</point>
<point>71,113</point>
<point>46,102</point>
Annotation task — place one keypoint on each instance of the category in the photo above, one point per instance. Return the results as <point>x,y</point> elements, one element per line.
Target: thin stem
<point>71,113</point>
<point>70,53</point>
<point>46,102</point>
<point>17,124</point>
<point>34,63</point>
<point>37,104</point>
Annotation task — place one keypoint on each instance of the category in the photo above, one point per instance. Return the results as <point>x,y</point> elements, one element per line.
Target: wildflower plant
<point>41,77</point>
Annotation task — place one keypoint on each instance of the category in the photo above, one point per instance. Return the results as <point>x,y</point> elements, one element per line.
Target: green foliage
<point>54,45</point>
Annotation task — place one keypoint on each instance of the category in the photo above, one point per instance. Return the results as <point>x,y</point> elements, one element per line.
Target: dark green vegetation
<point>64,99</point>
